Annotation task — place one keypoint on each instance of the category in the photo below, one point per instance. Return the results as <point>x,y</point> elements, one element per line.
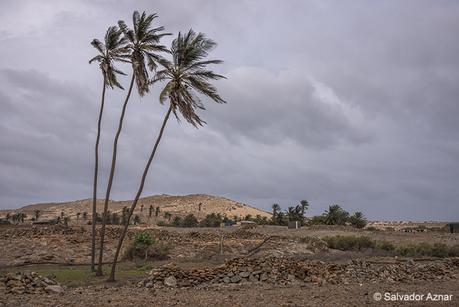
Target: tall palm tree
<point>110,51</point>
<point>185,76</point>
<point>142,45</point>
<point>304,204</point>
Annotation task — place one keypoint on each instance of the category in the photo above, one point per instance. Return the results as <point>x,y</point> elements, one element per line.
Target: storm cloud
<point>354,103</point>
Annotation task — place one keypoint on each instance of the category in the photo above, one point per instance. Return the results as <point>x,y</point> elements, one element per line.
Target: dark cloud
<point>336,102</point>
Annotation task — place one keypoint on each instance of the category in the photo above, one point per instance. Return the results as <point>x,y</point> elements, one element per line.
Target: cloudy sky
<point>348,102</point>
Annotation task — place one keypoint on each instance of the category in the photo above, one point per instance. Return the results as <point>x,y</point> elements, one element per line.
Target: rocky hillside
<point>198,204</point>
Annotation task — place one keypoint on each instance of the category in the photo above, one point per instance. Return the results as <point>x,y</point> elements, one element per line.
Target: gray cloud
<point>336,102</point>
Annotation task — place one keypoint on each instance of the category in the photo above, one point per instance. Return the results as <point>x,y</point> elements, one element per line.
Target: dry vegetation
<point>267,264</point>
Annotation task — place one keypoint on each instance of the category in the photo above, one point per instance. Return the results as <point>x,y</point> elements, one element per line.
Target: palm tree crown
<point>113,49</point>
<point>187,75</point>
<point>143,43</point>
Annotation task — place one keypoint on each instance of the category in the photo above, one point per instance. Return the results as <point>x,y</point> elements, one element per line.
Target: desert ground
<point>231,266</point>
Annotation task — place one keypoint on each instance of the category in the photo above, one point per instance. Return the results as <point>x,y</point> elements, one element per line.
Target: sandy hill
<point>198,204</point>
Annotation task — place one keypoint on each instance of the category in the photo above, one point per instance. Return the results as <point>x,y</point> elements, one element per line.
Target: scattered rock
<point>54,289</point>
<point>29,282</point>
<point>170,281</point>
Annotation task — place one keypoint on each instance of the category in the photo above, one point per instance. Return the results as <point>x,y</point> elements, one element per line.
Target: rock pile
<point>31,283</point>
<point>288,270</point>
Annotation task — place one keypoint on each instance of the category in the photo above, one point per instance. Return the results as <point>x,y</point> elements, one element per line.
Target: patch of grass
<point>430,250</point>
<point>77,276</point>
<point>426,249</point>
<point>348,242</point>
<point>385,246</point>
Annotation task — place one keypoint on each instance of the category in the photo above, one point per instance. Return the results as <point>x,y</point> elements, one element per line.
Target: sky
<point>353,103</point>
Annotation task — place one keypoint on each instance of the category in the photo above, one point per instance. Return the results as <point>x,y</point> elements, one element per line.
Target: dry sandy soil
<point>20,246</point>
<point>257,295</point>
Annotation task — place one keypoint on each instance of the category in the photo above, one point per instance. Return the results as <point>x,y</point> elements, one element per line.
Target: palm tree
<point>36,212</point>
<point>304,204</point>
<point>276,208</point>
<point>185,76</point>
<point>142,45</point>
<point>335,215</point>
<point>157,210</point>
<point>110,51</point>
<point>150,211</point>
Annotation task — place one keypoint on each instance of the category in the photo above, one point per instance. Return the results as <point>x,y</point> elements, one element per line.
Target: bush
<point>317,220</point>
<point>349,242</point>
<point>177,221</point>
<point>190,221</point>
<point>439,250</point>
<point>454,251</point>
<point>145,247</point>
<point>212,220</point>
<point>386,246</point>
<point>425,249</point>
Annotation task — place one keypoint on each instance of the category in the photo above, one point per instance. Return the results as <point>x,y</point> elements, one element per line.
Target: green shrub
<point>425,249</point>
<point>454,251</point>
<point>349,242</point>
<point>177,222</point>
<point>145,247</point>
<point>143,238</point>
<point>440,250</point>
<point>212,220</point>
<point>317,220</point>
<point>190,221</point>
<point>385,245</point>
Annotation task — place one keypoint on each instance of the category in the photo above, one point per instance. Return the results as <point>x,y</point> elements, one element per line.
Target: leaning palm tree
<point>142,45</point>
<point>110,51</point>
<point>185,76</point>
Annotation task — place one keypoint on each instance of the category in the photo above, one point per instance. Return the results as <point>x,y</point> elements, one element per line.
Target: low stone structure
<point>288,270</point>
<point>30,283</point>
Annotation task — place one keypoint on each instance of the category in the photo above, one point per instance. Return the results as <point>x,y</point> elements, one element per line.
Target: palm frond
<point>188,76</point>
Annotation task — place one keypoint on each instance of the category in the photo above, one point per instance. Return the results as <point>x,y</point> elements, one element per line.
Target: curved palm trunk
<point>110,179</point>
<point>139,192</point>
<point>94,191</point>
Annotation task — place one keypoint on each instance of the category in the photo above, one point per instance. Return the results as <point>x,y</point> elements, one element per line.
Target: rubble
<point>284,271</point>
<point>29,282</point>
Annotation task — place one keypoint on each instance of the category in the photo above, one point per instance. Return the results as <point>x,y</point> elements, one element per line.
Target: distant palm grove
<point>182,73</point>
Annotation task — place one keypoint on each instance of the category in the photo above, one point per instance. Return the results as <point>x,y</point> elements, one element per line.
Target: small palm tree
<point>66,221</point>
<point>185,76</point>
<point>150,211</point>
<point>276,208</point>
<point>142,45</point>
<point>110,51</point>
<point>36,213</point>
